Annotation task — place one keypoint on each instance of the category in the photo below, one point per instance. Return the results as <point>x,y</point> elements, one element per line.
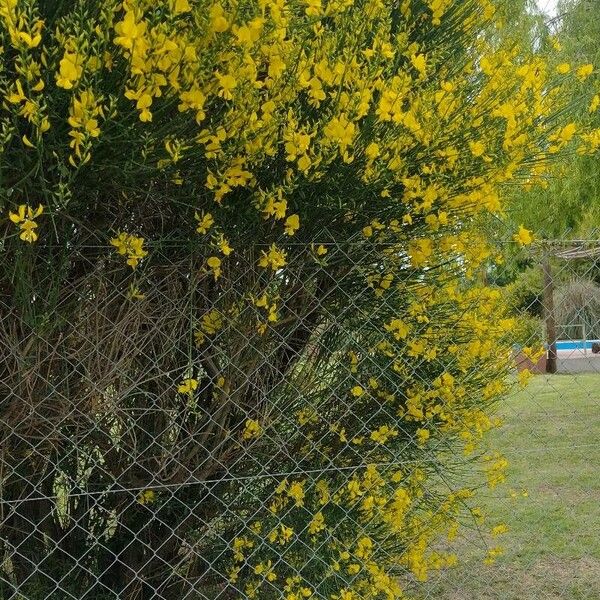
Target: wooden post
<point>549,316</point>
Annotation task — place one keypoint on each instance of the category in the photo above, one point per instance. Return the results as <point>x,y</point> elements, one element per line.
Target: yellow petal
<point>28,235</point>
<point>25,37</point>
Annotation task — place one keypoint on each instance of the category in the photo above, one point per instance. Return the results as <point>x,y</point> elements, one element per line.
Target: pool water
<point>575,344</point>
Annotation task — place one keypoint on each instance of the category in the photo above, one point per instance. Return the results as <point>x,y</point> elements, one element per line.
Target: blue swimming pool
<point>575,344</point>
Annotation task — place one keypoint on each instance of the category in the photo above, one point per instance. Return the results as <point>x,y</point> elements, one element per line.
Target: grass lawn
<point>552,550</point>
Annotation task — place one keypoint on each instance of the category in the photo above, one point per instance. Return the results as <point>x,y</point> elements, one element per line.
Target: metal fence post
<point>549,316</point>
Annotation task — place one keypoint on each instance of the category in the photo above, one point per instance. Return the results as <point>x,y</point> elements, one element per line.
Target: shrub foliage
<point>245,348</point>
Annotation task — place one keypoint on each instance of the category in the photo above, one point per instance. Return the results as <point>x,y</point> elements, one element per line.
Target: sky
<point>548,6</point>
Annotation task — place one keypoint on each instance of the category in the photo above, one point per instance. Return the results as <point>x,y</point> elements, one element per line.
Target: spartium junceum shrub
<point>244,353</point>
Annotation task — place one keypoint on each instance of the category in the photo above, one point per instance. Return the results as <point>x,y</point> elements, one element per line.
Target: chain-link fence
<point>269,428</point>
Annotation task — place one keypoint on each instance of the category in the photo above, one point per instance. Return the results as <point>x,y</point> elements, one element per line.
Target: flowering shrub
<point>262,360</point>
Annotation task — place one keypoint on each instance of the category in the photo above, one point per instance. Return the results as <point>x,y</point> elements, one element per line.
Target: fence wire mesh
<point>184,432</point>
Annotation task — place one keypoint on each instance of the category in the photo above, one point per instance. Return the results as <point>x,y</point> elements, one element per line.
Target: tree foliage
<point>567,205</point>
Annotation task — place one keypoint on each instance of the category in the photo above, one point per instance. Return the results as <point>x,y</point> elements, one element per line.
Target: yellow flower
<point>130,246</point>
<point>274,258</point>
<point>27,231</point>
<point>292,223</point>
<point>340,131</point>
<point>17,96</point>
<point>227,83</point>
<point>357,391</point>
<point>143,104</point>
<point>313,8</point>
<point>496,469</point>
<point>567,132</point>
<point>128,31</point>
<point>146,497</point>
<point>304,163</point>
<point>477,148</point>
<point>492,555</point>
<point>296,144</point>
<point>25,219</point>
<point>27,141</point>
<point>585,71</point>
<point>422,435</point>
<point>218,22</point>
<point>438,8</point>
<point>211,323</point>
<point>180,6</point>
<point>214,263</point>
<point>524,377</point>
<point>562,137</point>
<point>275,207</point>
<point>286,534</point>
<point>419,62</point>
<point>193,99</point>
<point>523,237</point>
<point>317,524</point>
<point>296,492</point>
<point>398,327</point>
<point>563,68</point>
<point>420,251</point>
<point>205,222</point>
<point>364,547</point>
<point>29,40</point>
<point>70,71</point>
<point>224,246</point>
<point>188,386</point>
<point>372,151</point>
<point>383,434</point>
<point>252,429</point>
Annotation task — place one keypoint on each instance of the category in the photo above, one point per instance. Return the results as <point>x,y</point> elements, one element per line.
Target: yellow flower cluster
<point>252,429</point>
<point>188,386</point>
<point>210,324</point>
<point>83,118</point>
<point>24,218</point>
<point>147,497</point>
<point>130,246</point>
<point>442,405</point>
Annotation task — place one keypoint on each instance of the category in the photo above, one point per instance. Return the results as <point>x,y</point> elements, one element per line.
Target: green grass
<point>552,550</point>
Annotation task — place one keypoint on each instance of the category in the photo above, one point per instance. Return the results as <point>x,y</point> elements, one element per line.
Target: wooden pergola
<point>577,250</point>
